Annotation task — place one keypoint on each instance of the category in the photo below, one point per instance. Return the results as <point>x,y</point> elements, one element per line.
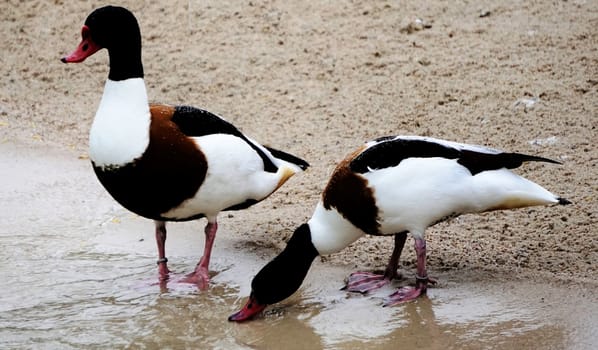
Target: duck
<point>164,162</point>
<point>394,186</point>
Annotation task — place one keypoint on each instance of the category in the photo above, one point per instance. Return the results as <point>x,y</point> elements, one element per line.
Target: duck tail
<point>287,157</point>
<point>502,189</point>
<point>519,158</point>
<point>563,201</point>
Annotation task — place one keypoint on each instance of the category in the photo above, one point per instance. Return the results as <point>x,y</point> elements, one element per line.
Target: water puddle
<point>79,272</point>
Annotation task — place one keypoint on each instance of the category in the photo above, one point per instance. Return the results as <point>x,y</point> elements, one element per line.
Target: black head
<point>282,276</point>
<point>115,29</point>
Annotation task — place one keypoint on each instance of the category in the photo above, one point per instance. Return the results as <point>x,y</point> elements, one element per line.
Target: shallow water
<point>79,272</point>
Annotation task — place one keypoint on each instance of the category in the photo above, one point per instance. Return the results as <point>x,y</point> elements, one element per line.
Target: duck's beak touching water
<point>251,308</point>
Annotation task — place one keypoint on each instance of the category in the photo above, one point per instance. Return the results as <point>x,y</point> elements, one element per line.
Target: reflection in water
<point>83,298</point>
<point>193,318</point>
<point>79,272</point>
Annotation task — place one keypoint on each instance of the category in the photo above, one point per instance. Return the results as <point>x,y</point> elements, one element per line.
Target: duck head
<point>281,277</point>
<point>115,29</point>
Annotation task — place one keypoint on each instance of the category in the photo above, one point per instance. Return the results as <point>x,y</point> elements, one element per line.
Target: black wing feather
<point>477,162</point>
<point>288,157</point>
<point>198,122</point>
<point>390,152</point>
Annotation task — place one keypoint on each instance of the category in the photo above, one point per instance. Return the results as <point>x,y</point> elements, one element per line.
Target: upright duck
<point>169,163</point>
<point>391,186</point>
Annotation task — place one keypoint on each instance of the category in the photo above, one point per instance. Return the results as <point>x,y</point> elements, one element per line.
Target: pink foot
<point>408,293</point>
<point>199,280</point>
<point>364,282</point>
<point>404,295</point>
<point>199,277</point>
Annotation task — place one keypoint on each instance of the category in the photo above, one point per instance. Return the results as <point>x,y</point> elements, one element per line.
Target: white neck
<point>120,130</point>
<point>330,231</point>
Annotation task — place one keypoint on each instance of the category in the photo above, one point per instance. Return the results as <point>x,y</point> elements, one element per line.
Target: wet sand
<point>315,79</point>
<point>79,272</point>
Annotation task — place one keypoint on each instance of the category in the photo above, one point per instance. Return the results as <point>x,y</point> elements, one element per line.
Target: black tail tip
<point>288,157</point>
<point>304,165</point>
<point>564,201</point>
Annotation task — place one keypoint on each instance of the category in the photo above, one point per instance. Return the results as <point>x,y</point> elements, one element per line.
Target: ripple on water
<point>78,272</point>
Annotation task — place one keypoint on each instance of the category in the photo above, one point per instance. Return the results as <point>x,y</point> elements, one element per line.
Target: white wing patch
<point>235,174</point>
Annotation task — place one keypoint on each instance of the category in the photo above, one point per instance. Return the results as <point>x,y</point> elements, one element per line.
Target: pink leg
<point>160,241</point>
<point>201,276</point>
<point>421,279</point>
<point>364,282</point>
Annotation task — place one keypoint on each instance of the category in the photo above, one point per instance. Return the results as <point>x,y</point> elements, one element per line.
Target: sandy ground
<point>317,78</point>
